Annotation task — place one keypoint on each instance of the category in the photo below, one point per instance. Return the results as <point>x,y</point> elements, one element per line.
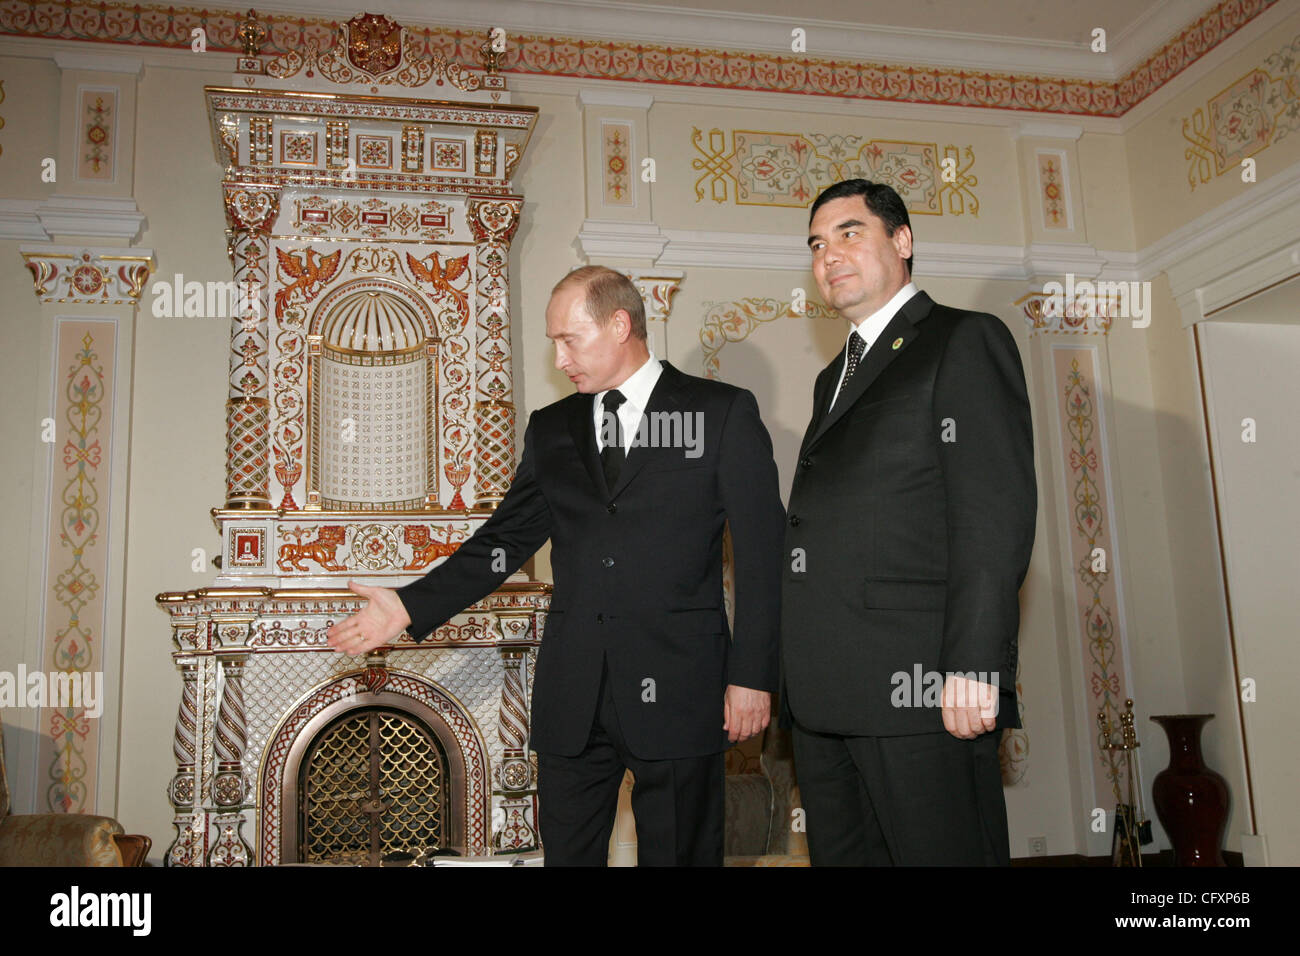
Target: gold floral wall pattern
<point>97,145</point>
<point>1252,113</point>
<point>790,169</point>
<point>734,321</point>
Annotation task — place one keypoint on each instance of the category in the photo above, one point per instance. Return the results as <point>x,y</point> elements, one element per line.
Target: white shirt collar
<point>636,388</point>
<point>871,327</point>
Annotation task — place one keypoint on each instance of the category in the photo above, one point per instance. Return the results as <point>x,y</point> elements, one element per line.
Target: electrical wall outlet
<point>1038,846</point>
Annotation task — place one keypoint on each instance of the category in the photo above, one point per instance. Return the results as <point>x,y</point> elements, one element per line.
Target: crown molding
<point>734,250</point>
<point>613,96</point>
<point>1238,216</point>
<point>1150,31</point>
<point>43,219</point>
<point>524,84</point>
<point>1262,26</point>
<point>619,239</point>
<point>1261,218</point>
<point>974,81</point>
<point>1231,252</point>
<point>1033,129</point>
<point>690,28</point>
<point>683,248</point>
<point>18,220</point>
<point>99,62</point>
<point>1044,259</point>
<point>117,219</point>
<point>953,70</point>
<point>1221,295</point>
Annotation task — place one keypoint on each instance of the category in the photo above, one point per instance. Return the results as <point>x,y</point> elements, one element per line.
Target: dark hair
<point>607,292</point>
<point>882,202</point>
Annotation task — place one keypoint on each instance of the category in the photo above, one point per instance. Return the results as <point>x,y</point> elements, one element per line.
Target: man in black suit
<point>632,479</point>
<point>910,525</point>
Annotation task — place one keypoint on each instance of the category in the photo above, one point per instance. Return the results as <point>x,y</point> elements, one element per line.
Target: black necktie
<point>857,345</point>
<point>611,432</point>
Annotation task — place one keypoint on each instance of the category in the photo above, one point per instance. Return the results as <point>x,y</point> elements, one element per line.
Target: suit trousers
<point>678,804</point>
<point>914,800</point>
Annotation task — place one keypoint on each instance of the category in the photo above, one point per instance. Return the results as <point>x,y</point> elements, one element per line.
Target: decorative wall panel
<point>790,169</point>
<point>76,574</point>
<point>1247,116</point>
<point>97,133</point>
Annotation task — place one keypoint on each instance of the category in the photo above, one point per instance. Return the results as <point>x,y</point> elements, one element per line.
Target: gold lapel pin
<point>898,343</point>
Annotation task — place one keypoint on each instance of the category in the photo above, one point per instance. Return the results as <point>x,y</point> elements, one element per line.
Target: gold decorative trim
<point>159,25</point>
<point>88,276</point>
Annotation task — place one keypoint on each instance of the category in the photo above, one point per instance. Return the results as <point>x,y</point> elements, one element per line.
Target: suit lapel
<point>582,426</point>
<point>666,396</point>
<point>826,378</point>
<point>896,337</point>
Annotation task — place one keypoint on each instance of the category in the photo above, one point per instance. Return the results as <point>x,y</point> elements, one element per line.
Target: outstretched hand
<point>382,619</point>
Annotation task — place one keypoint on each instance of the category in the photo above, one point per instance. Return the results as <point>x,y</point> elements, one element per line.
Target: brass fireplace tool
<point>1132,828</point>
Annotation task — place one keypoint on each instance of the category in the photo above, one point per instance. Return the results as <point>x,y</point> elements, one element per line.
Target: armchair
<point>63,839</point>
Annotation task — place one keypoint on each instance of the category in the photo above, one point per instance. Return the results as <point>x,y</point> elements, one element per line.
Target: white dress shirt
<point>871,327</point>
<point>636,388</point>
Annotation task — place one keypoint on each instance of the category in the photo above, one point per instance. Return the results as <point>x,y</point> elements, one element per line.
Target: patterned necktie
<point>857,345</point>
<point>611,431</point>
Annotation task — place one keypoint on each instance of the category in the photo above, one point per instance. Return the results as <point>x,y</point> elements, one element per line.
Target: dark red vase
<point>1191,800</point>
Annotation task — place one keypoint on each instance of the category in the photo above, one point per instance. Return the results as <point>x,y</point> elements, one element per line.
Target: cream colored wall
<point>29,110</point>
<point>1250,374</point>
<point>1107,191</point>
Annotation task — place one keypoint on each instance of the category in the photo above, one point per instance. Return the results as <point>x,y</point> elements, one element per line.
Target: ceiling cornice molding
<point>1259,27</point>
<point>1037,129</point>
<point>975,81</point>
<point>826,106</point>
<point>615,96</point>
<point>621,239</point>
<point>81,216</point>
<point>828,39</point>
<point>99,62</point>
<point>1244,232</point>
<point>18,220</point>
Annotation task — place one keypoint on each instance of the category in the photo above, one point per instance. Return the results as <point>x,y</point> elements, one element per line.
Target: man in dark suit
<point>910,525</point>
<point>632,479</point>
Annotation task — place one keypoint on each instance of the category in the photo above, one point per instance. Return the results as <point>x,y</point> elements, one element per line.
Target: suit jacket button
<point>600,619</point>
<point>607,562</point>
<point>794,521</point>
<point>613,506</point>
<point>805,462</point>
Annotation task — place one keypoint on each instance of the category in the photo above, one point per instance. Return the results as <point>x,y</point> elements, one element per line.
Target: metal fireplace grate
<point>372,786</point>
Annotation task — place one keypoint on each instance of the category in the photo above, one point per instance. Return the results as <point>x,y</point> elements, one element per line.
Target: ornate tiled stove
<point>370,429</point>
